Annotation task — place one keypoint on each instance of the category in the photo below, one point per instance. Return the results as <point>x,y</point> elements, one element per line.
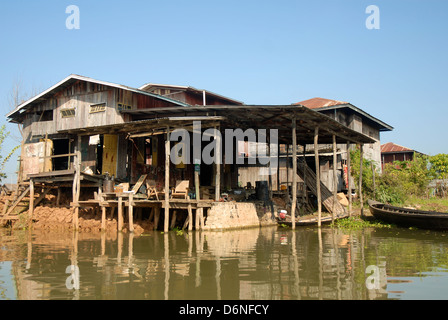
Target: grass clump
<point>355,223</point>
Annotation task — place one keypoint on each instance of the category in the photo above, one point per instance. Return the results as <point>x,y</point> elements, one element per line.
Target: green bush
<point>396,183</point>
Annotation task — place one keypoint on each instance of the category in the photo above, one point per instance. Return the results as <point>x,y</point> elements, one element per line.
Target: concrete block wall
<point>233,215</point>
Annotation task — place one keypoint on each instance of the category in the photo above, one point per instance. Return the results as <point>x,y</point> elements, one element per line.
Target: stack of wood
<point>309,176</point>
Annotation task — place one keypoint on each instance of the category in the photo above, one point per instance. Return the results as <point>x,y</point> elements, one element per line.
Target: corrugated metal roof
<point>71,79</point>
<point>321,104</point>
<point>149,86</point>
<point>316,103</point>
<point>391,147</point>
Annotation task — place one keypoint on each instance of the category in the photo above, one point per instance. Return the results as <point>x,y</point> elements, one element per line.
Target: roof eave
<point>75,77</point>
<point>383,126</point>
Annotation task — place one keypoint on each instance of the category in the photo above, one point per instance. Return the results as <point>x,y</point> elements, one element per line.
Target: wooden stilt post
<point>196,185</point>
<point>5,207</point>
<point>167,180</point>
<point>196,161</point>
<point>287,168</point>
<point>77,182</point>
<point>75,202</point>
<point>190,217</point>
<point>103,218</point>
<point>197,223</point>
<point>201,218</point>
<point>156,216</point>
<point>173,219</point>
<point>349,177</point>
<point>318,192</point>
<point>373,179</point>
<point>217,165</point>
<point>131,212</point>
<point>120,213</point>
<point>31,207</point>
<point>305,191</point>
<point>361,157</point>
<point>294,173</point>
<point>58,198</point>
<point>335,182</point>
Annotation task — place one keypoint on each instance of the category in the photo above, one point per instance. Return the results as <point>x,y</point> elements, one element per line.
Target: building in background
<point>391,152</point>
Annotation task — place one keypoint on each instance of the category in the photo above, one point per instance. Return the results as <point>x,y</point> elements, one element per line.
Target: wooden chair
<point>151,188</point>
<point>139,183</point>
<point>181,189</point>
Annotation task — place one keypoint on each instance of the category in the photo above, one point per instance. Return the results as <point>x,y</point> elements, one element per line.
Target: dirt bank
<point>50,217</point>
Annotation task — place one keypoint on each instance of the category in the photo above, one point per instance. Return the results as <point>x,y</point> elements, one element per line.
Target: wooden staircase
<point>9,212</point>
<point>309,176</point>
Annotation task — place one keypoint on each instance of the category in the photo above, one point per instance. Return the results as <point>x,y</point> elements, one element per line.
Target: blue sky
<point>259,52</point>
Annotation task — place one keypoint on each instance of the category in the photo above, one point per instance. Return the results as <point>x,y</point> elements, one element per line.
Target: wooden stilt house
<point>82,131</point>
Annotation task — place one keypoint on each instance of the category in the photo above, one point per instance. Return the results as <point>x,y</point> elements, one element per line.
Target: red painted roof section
<point>316,103</point>
<point>391,147</point>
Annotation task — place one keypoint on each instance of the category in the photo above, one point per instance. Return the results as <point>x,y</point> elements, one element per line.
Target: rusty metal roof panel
<point>316,103</point>
<point>391,147</point>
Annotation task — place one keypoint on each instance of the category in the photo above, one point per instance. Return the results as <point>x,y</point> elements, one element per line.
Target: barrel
<point>262,190</point>
<point>108,185</point>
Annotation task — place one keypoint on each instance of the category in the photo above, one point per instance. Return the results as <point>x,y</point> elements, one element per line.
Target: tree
<point>439,170</point>
<point>439,166</point>
<point>397,182</point>
<point>3,160</point>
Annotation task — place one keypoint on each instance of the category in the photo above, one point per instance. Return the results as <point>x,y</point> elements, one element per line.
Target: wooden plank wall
<point>253,174</point>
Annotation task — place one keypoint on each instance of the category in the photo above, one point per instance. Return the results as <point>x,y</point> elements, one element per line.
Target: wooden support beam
<point>305,191</point>
<point>5,207</point>
<point>18,201</point>
<point>103,218</point>
<point>196,185</point>
<point>190,218</point>
<point>287,168</point>
<point>349,177</point>
<point>58,198</point>
<point>156,217</point>
<point>31,207</point>
<point>120,214</point>
<point>112,213</point>
<point>361,157</point>
<point>197,220</point>
<point>167,179</point>
<point>131,212</point>
<point>201,218</point>
<point>173,219</point>
<point>77,182</point>
<point>294,172</point>
<point>41,197</point>
<point>335,183</point>
<point>217,138</point>
<point>373,179</point>
<point>199,223</point>
<point>318,192</point>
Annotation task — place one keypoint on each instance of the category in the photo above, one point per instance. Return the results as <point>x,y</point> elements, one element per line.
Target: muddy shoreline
<point>49,217</point>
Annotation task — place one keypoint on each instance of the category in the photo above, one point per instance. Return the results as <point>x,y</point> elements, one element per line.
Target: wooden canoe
<point>301,222</point>
<point>409,217</point>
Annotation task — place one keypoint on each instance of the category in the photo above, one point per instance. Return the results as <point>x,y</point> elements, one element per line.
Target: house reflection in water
<point>262,263</point>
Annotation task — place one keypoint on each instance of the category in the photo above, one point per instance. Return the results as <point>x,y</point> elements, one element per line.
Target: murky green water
<point>268,263</point>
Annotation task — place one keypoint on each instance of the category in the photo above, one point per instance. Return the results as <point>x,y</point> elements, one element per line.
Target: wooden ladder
<point>7,213</point>
<point>327,195</point>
